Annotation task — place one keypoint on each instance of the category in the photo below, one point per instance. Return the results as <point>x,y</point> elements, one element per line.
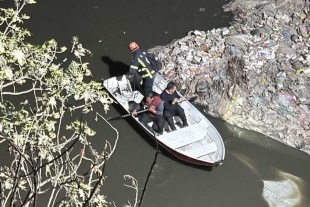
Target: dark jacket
<point>168,98</point>
<point>141,65</point>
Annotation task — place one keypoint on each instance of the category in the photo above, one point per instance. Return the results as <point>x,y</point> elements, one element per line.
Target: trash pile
<point>254,74</point>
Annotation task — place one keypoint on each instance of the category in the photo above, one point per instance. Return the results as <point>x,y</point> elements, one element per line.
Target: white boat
<point>199,143</point>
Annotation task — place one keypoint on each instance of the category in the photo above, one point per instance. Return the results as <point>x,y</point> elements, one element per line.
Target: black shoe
<point>171,130</point>
<point>157,133</point>
<point>167,130</point>
<point>184,125</point>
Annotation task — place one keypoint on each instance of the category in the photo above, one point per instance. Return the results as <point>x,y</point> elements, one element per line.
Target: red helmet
<point>133,46</point>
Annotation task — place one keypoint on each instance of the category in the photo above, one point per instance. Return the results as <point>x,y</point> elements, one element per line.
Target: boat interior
<point>198,140</point>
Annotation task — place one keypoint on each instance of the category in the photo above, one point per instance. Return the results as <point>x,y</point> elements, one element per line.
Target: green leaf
<point>85,66</point>
<point>52,102</point>
<point>56,115</point>
<point>87,72</point>
<point>85,110</point>
<point>89,131</point>
<point>8,185</point>
<point>62,49</point>
<point>51,42</point>
<point>85,187</point>
<point>52,135</point>
<point>50,126</point>
<point>24,16</point>
<point>31,1</point>
<point>2,50</point>
<point>88,96</point>
<point>19,56</point>
<point>76,97</point>
<point>21,184</point>
<point>54,67</point>
<point>8,73</point>
<point>48,171</point>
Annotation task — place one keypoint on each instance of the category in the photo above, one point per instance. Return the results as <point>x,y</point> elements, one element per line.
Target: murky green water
<point>257,171</point>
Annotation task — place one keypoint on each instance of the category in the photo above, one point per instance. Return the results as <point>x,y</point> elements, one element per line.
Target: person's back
<point>139,61</point>
<point>141,65</point>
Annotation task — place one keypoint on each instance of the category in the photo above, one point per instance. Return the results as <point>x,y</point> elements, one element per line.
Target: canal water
<point>257,171</point>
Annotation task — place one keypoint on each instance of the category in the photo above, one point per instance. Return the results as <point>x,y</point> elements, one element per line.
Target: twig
<point>9,25</point>
<point>20,93</point>
<point>15,147</point>
<point>11,83</point>
<point>133,186</point>
<point>15,181</point>
<point>96,186</point>
<point>116,131</point>
<point>43,165</point>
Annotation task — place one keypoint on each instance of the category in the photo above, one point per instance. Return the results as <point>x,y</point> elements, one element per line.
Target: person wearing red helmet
<point>141,65</point>
<point>133,46</point>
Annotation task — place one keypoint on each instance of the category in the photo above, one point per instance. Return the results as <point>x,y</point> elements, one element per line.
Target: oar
<point>120,117</point>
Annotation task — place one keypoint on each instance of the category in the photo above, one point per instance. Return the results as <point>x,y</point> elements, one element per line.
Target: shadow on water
<point>116,68</point>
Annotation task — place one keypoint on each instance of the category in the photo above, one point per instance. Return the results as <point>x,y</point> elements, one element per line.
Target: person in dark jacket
<point>142,66</point>
<point>171,107</point>
<point>155,112</point>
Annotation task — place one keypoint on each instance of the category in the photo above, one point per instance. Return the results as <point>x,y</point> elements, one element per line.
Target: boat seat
<point>159,84</point>
<point>124,86</point>
<point>184,136</point>
<point>203,150</point>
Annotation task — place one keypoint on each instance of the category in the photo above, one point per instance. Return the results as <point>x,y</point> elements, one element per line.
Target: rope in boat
<point>150,172</point>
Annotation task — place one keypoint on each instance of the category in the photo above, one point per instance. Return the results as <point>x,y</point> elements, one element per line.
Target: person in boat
<point>141,65</point>
<point>171,107</point>
<point>155,112</point>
